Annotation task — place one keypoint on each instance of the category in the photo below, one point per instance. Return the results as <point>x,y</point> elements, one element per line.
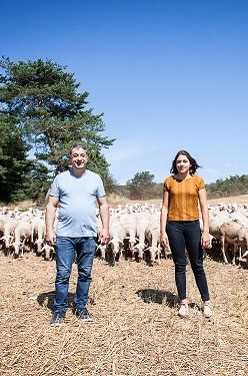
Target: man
<point>76,192</point>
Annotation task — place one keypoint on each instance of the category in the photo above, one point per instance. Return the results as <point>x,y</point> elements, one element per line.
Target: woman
<point>180,226</point>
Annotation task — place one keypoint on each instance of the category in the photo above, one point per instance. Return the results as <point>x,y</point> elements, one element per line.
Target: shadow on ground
<point>158,297</point>
<point>46,299</point>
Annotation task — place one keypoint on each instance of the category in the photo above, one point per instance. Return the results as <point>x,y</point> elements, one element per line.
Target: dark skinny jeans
<point>186,235</point>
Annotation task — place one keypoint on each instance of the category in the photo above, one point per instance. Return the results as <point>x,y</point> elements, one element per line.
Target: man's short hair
<point>78,146</point>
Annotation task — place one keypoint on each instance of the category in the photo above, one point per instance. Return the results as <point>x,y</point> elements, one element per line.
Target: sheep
<point>215,222</point>
<point>22,236</point>
<point>244,257</point>
<point>114,246</point>
<point>101,251</point>
<point>129,223</point>
<point>1,227</point>
<point>231,233</point>
<point>100,248</point>
<point>49,251</point>
<point>8,234</point>
<point>141,226</point>
<point>153,237</point>
<point>38,233</point>
<point>239,218</point>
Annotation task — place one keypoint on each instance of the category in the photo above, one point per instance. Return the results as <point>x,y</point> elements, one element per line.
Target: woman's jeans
<point>186,235</point>
<point>65,256</point>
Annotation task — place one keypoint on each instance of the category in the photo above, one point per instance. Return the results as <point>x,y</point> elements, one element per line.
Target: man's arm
<point>50,215</point>
<point>105,216</point>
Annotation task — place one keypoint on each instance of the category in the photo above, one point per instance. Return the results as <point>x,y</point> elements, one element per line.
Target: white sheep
<point>117,234</point>
<point>49,251</point>
<point>38,233</point>
<point>231,233</point>
<point>8,234</point>
<point>22,237</point>
<point>153,237</point>
<point>141,228</point>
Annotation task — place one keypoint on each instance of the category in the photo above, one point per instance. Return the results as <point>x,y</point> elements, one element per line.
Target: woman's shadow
<point>162,297</point>
<point>159,297</point>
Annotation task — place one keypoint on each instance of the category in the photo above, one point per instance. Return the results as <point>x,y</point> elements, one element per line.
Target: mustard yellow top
<point>183,198</point>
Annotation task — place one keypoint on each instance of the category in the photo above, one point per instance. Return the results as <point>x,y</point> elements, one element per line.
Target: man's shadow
<point>47,298</point>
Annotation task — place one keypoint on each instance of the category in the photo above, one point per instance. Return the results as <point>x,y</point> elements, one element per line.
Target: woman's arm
<point>205,239</point>
<point>163,219</point>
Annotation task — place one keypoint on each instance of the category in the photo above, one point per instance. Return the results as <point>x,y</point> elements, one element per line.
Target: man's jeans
<point>65,256</point>
<point>187,235</point>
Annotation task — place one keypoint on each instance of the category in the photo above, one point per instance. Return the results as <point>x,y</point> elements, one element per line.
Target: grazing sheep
<point>128,222</point>
<point>244,257</point>
<point>22,237</point>
<point>8,234</point>
<point>49,251</point>
<point>153,237</point>
<point>38,233</point>
<point>231,233</point>
<point>141,228</point>
<point>117,234</point>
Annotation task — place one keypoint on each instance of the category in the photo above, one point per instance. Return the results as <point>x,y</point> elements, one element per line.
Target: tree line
<point>142,187</point>
<point>42,114</point>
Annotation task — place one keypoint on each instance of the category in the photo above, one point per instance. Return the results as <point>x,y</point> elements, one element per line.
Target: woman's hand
<point>205,240</point>
<point>164,241</point>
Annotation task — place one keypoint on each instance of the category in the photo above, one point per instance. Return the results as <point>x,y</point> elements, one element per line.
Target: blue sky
<point>167,74</point>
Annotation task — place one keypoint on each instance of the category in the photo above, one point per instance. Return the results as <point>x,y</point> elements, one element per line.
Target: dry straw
<point>136,330</point>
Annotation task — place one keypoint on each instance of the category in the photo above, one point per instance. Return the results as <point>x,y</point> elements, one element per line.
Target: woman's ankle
<point>183,302</point>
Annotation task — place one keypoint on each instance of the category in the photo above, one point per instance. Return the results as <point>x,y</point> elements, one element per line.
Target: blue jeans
<point>187,235</point>
<point>65,256</point>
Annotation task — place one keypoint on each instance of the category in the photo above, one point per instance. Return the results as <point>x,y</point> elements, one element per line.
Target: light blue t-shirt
<point>77,203</point>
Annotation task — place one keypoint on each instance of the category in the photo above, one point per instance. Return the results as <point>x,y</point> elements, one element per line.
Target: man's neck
<point>78,171</point>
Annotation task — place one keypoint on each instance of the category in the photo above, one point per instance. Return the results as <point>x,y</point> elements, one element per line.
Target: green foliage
<point>13,160</point>
<point>37,182</point>
<point>49,114</point>
<point>233,186</point>
<point>141,186</point>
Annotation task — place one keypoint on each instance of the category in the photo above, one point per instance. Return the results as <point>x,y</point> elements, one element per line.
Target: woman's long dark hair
<point>194,165</point>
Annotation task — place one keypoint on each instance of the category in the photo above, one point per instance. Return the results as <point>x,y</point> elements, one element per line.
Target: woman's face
<point>182,164</point>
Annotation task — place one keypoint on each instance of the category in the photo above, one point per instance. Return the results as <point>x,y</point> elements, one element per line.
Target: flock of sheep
<point>134,233</point>
<point>23,231</point>
<point>229,231</point>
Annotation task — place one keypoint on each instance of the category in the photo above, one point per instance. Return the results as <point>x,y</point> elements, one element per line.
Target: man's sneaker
<point>207,311</point>
<point>183,310</point>
<point>84,315</point>
<point>57,319</point>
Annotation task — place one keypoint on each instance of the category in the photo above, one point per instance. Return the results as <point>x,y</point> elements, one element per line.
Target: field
<point>135,331</point>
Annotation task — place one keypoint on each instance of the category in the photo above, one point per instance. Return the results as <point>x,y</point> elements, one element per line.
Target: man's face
<point>78,158</point>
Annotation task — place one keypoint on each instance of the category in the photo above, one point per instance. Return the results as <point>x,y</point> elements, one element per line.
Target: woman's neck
<point>179,176</point>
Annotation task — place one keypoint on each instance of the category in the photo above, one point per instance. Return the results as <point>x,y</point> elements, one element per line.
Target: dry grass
<point>135,331</point>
